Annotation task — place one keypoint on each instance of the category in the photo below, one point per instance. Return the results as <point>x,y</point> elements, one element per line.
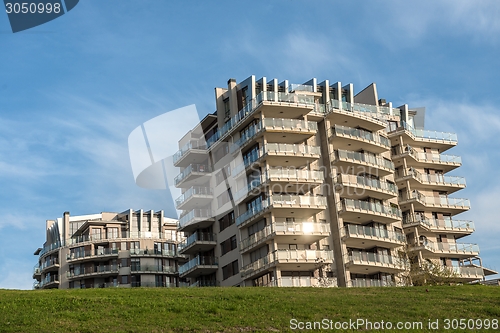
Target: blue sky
<point>73,89</point>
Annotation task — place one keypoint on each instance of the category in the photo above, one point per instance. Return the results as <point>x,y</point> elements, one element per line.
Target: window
<point>256,227</point>
<point>112,233</point>
<point>96,234</point>
<point>224,198</point>
<point>226,221</point>
<point>227,110</point>
<point>135,264</point>
<point>228,245</point>
<point>230,270</point>
<point>124,279</point>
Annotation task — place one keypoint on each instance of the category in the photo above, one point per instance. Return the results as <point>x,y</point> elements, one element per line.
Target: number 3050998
<point>32,8</point>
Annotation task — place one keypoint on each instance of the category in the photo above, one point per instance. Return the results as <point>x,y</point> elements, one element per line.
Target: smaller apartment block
<point>315,185</point>
<point>128,249</point>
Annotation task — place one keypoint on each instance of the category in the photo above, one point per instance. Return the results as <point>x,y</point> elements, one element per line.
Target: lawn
<point>243,309</point>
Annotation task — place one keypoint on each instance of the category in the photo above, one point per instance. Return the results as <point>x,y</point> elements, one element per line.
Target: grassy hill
<point>241,309</point>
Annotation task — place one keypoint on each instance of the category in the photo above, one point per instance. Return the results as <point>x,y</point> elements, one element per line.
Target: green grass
<point>235,309</point>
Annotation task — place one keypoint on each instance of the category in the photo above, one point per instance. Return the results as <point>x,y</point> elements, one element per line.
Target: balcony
<point>422,160</point>
<point>441,204</point>
<point>355,139</point>
<point>97,254</point>
<point>153,269</point>
<point>191,152</point>
<point>101,271</point>
<point>421,137</point>
<point>194,197</point>
<point>196,218</point>
<point>299,206</point>
<point>357,187</point>
<point>345,160</point>
<point>158,284</point>
<point>200,265</point>
<point>283,130</point>
<point>467,274</point>
<point>198,242</point>
<point>287,232</point>
<point>49,282</point>
<point>301,260</point>
<point>366,283</point>
<point>355,114</point>
<point>37,272</point>
<point>301,281</point>
<point>153,253</point>
<point>368,237</point>
<point>276,104</point>
<point>193,174</point>
<point>436,182</point>
<point>362,262</point>
<point>292,180</point>
<point>290,155</point>
<point>438,249</point>
<point>458,227</point>
<point>49,265</point>
<point>359,211</point>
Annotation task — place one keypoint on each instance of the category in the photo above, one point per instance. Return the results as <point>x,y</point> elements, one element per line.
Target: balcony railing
<point>434,179</point>
<point>293,173</point>
<point>153,252</point>
<point>207,283</point>
<point>464,248</point>
<point>440,224</point>
<point>246,136</point>
<point>153,268</point>
<point>36,270</point>
<point>338,130</point>
<point>159,284</point>
<point>363,158</point>
<point>427,157</point>
<point>48,263</point>
<point>278,199</point>
<point>353,230</point>
<point>369,110</point>
<point>188,146</point>
<point>360,181</point>
<point>428,135</point>
<point>48,280</point>
<point>372,258</point>
<point>284,148</point>
<point>188,218</point>
<point>105,269</point>
<point>372,207</point>
<point>363,283</point>
<point>96,253</point>
<point>122,235</point>
<point>291,256</point>
<point>463,271</point>
<point>294,228</point>
<point>299,87</point>
<point>199,168</point>
<point>437,201</point>
<point>195,190</point>
<point>291,124</point>
<point>198,261</point>
<point>197,237</point>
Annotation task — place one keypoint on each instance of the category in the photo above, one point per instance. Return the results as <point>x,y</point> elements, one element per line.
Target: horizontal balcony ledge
<point>441,225</point>
<point>365,183</point>
<point>338,132</point>
<point>306,229</point>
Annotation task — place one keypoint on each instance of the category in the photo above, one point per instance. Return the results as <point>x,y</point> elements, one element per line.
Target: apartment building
<point>128,249</point>
<point>313,185</point>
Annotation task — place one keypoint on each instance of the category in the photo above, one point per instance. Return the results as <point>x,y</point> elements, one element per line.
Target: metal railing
<point>465,248</point>
<point>427,134</point>
<point>361,181</point>
<point>189,217</point>
<point>364,283</point>
<point>338,130</point>
<point>371,258</point>
<point>353,230</point>
<point>299,87</point>
<point>197,237</point>
<point>290,124</point>
<point>293,173</point>
<point>199,168</point>
<point>198,261</point>
<point>372,207</point>
<point>48,263</point>
<point>199,144</point>
<point>291,149</point>
<point>104,269</point>
<point>363,158</point>
<point>434,179</point>
<point>153,252</point>
<point>96,253</point>
<point>440,224</point>
<point>286,228</point>
<point>436,201</point>
<point>153,268</point>
<point>194,190</point>
<point>48,279</point>
<point>426,157</point>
